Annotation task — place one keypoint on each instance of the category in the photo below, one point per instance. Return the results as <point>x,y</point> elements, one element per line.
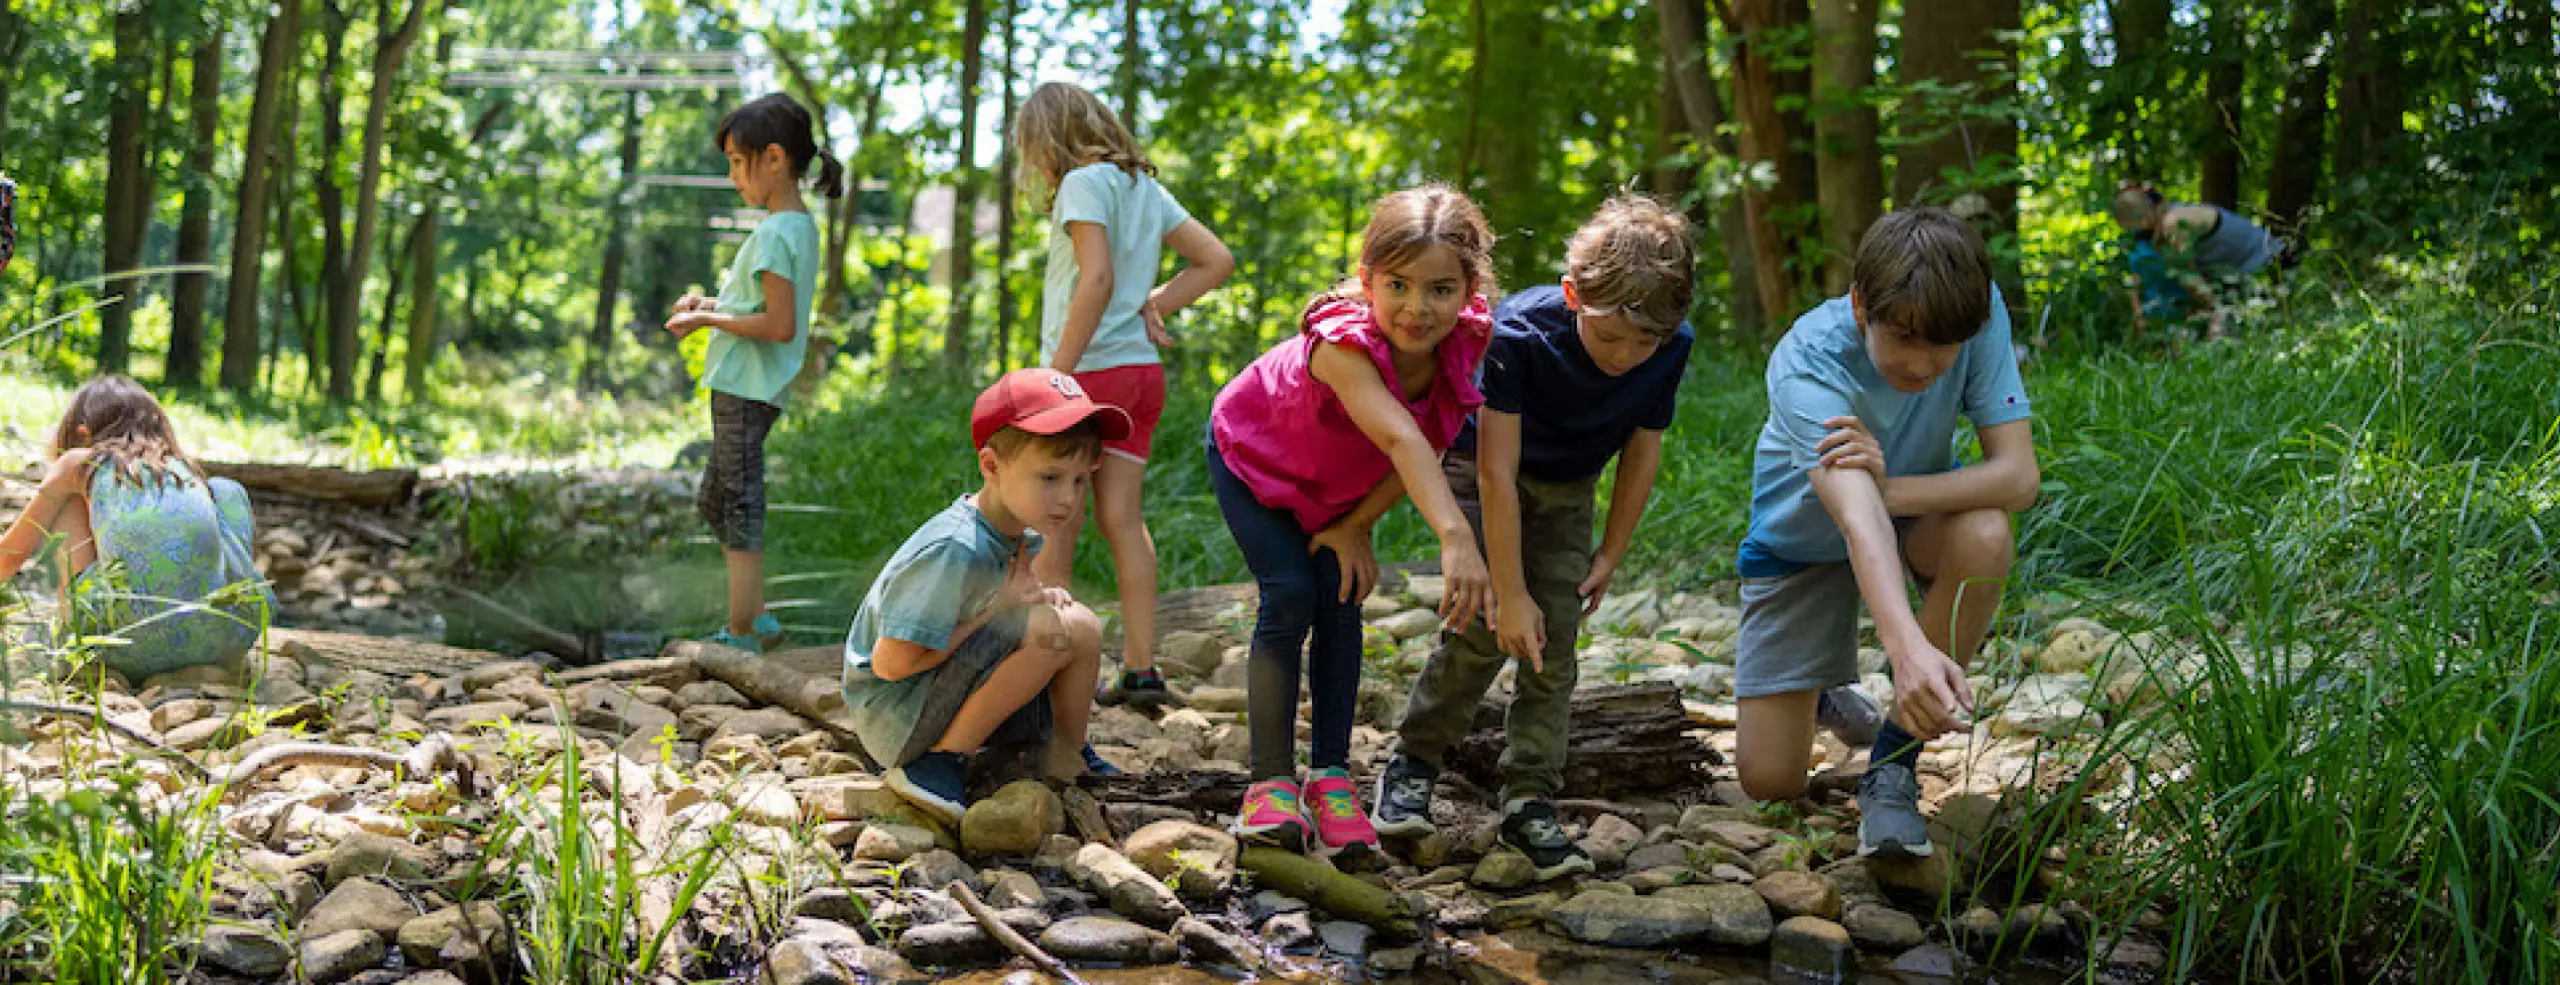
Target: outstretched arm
<point>65,486</point>
<point>1384,420</point>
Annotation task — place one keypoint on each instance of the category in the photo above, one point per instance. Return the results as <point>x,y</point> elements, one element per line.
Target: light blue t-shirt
<point>785,243</point>
<point>1820,371</point>
<point>947,571</point>
<point>1137,214</point>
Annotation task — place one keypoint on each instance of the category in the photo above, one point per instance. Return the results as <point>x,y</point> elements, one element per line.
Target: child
<point>1577,374</point>
<point>1856,478</point>
<point>762,315</point>
<point>1308,446</point>
<point>956,637</point>
<point>2180,250</point>
<point>1100,321</point>
<point>153,551</point>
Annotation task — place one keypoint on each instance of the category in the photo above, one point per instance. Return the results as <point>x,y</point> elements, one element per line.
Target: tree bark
<point>332,200</point>
<point>2293,179</point>
<point>389,54</point>
<point>423,299</point>
<point>279,47</point>
<point>1945,43</point>
<point>1670,136</point>
<point>1773,208</point>
<point>1626,738</point>
<point>1132,55</point>
<point>1850,171</point>
<point>2218,153</point>
<point>964,197</point>
<point>1005,207</point>
<point>1686,58</point>
<point>2370,98</point>
<point>609,280</point>
<point>128,191</point>
<point>289,304</point>
<point>195,224</point>
<point>13,38</point>
<point>394,274</point>
<point>1469,142</point>
<point>2140,75</point>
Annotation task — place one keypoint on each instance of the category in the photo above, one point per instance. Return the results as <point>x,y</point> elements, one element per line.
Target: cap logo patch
<point>1067,386</point>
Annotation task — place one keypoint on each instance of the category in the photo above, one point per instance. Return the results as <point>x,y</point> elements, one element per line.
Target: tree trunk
<point>1481,44</point>
<point>278,48</point>
<point>289,303</point>
<point>1686,58</point>
<point>332,201</point>
<point>1851,169</point>
<point>2218,153</point>
<point>964,197</point>
<point>389,54</point>
<point>2370,98</point>
<point>195,224</point>
<point>13,36</point>
<point>2302,121</point>
<point>393,275</point>
<point>2140,76</point>
<point>128,186</point>
<point>1132,55</point>
<point>1005,208</point>
<point>1772,210</point>
<point>1670,181</point>
<point>1943,43</point>
<point>609,280</point>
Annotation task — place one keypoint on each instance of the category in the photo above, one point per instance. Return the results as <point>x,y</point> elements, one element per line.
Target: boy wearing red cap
<point>957,641</point>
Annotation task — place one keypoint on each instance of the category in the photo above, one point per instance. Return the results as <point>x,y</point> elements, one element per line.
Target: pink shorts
<point>1136,389</point>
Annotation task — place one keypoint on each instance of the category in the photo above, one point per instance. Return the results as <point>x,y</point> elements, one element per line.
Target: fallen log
<point>505,621</point>
<point>1197,791</point>
<point>379,488</point>
<point>1626,739</point>
<point>774,680</point>
<point>392,657</point>
<point>1330,890</point>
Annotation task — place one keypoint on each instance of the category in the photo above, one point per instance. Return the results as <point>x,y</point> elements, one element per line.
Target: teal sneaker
<point>723,638</point>
<point>768,631</point>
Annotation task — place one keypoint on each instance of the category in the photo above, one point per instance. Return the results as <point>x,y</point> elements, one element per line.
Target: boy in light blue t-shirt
<point>762,320</point>
<point>1855,480</point>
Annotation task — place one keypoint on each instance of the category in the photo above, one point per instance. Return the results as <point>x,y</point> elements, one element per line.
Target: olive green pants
<point>1556,520</point>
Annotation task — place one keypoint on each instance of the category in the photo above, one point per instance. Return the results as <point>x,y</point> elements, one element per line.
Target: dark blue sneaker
<point>936,783</point>
<point>1098,766</point>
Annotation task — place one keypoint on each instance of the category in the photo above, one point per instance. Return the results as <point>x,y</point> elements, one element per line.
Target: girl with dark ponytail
<point>761,321</point>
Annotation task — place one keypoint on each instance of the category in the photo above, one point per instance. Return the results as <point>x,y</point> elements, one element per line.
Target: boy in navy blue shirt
<point>1577,375</point>
<point>1855,482</point>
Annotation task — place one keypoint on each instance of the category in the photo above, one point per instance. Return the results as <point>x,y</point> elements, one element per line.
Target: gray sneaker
<point>1889,822</point>
<point>1404,798</point>
<point>1850,714</point>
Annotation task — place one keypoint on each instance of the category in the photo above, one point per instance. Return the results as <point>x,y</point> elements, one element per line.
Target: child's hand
<point>687,322</point>
<point>1849,446</point>
<point>1520,630</point>
<point>1350,546</point>
<point>1596,584</point>
<point>693,302</point>
<point>1469,582</point>
<point>1928,691</point>
<point>1155,324</point>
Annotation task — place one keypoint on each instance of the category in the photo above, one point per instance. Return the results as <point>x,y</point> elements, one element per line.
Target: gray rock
<point>1666,855</point>
<point>2036,924</point>
<point>489,675</point>
<point>457,718</point>
<point>718,693</point>
<point>244,949</point>
<point>1979,928</point>
<point>1741,836</point>
<point>1609,840</point>
<point>949,945</point>
<point>892,842</point>
<point>1007,888</point>
<point>1207,944</point>
<point>1268,903</point>
<point>1200,859</point>
<point>358,904</point>
<point>1736,916</point>
<point>1289,931</point>
<point>936,870</point>
<point>1344,937</point>
<point>1504,869</point>
<point>829,903</point>
<point>367,854</point>
<point>1522,911</point>
<point>1189,653</point>
<point>802,962</point>
<point>1410,623</point>
<point>613,708</point>
<point>1014,821</point>
<point>455,937</point>
<point>1128,888</point>
<point>1396,961</point>
<point>1929,961</point>
<point>341,955</point>
<point>1107,939</point>
<point>1620,920</point>
<point>1813,947</point>
<point>771,725</point>
<point>1799,894</point>
<point>1882,928</point>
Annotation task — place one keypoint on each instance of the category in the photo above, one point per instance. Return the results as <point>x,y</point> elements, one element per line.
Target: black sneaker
<point>1532,829</point>
<point>936,782</point>
<point>1098,766</point>
<point>1404,797</point>
<point>1889,821</point>
<point>1143,690</point>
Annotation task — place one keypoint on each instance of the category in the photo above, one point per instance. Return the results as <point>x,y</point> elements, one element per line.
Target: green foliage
<point>108,883</point>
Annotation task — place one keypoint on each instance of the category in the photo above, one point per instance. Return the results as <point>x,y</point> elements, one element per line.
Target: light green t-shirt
<point>1137,214</point>
<point>787,244</point>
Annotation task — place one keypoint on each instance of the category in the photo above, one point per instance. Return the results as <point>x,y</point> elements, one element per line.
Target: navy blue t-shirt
<point>1573,417</point>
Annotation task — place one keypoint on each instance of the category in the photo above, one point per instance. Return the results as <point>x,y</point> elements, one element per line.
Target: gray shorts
<point>1800,631</point>
<point>900,720</point>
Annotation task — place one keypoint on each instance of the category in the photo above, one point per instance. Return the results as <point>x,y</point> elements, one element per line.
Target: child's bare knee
<point>1083,629</point>
<point>1983,539</point>
<point>1772,784</point>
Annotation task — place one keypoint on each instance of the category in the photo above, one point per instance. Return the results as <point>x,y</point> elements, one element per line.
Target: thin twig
<point>100,719</point>
<point>1007,936</point>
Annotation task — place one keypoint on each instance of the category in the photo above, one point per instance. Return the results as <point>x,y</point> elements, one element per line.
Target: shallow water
<point>1535,958</point>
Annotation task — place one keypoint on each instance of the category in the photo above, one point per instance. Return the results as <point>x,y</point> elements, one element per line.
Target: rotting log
<point>378,488</point>
<point>390,657</point>
<point>1197,791</point>
<point>1330,890</point>
<point>1626,739</point>
<point>776,680</point>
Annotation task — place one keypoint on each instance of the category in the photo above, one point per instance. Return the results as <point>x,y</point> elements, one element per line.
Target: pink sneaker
<point>1270,815</point>
<point>1334,807</point>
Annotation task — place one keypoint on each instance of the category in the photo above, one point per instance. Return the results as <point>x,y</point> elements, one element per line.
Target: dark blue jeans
<point>1300,594</point>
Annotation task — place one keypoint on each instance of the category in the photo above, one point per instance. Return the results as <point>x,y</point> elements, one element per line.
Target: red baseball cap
<point>1041,401</point>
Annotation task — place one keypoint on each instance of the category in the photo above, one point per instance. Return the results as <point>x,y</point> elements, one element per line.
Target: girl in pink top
<point>1308,447</point>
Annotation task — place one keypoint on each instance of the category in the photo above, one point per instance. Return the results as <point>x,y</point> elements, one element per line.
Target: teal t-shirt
<point>785,243</point>
<point>1137,214</point>
<point>1821,370</point>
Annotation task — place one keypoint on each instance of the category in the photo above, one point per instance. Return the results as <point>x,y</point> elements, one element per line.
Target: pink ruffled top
<point>1288,437</point>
